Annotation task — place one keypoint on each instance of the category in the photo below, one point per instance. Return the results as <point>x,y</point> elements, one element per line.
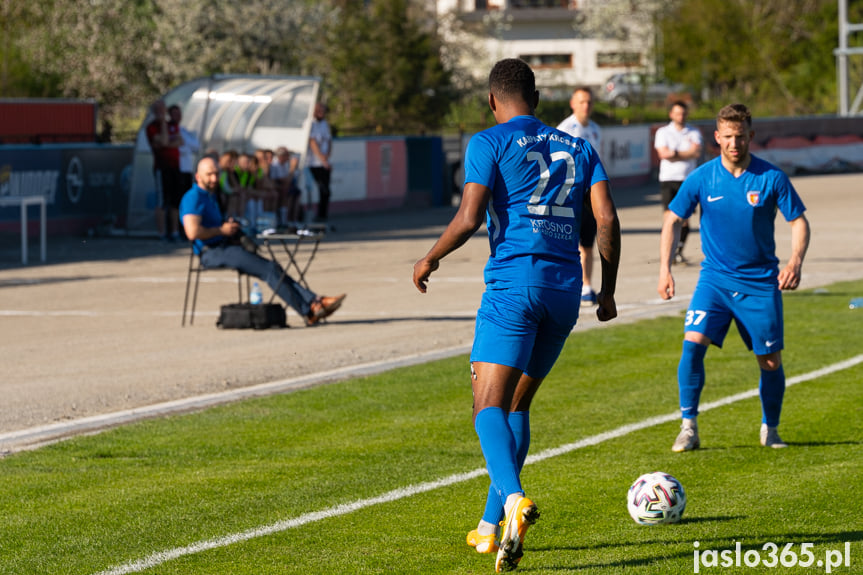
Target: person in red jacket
<point>165,141</point>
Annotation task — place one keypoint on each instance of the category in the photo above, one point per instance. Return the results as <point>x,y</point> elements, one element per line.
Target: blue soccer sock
<point>498,447</point>
<point>519,423</point>
<point>772,389</point>
<point>690,377</point>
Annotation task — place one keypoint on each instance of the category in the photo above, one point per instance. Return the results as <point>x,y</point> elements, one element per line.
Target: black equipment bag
<point>246,316</point>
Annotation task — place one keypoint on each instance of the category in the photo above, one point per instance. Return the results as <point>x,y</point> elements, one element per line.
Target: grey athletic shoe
<point>687,439</point>
<point>770,437</point>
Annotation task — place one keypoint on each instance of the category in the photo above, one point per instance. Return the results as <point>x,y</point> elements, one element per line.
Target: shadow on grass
<point>791,444</point>
<point>823,542</point>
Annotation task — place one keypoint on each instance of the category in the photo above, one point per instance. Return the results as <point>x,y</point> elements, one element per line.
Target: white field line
<point>411,490</point>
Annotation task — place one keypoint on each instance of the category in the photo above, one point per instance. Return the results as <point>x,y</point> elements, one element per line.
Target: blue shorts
<point>524,327</point>
<point>758,317</point>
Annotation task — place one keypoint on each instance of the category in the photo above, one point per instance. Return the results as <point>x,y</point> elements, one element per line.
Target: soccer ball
<point>656,498</point>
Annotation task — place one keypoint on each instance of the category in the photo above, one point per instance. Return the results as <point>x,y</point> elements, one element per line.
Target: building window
<point>516,4</point>
<point>618,60</point>
<point>538,61</point>
<point>541,4</point>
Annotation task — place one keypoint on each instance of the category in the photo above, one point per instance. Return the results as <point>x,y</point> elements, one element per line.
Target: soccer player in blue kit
<point>531,181</point>
<point>740,278</point>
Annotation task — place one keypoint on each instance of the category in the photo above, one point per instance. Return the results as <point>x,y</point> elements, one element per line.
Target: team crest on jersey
<point>753,197</point>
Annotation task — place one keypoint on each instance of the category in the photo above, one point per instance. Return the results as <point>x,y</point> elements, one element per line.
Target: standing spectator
<point>740,278</point>
<point>320,146</point>
<point>283,172</point>
<point>188,149</point>
<point>165,141</point>
<point>529,182</point>
<point>678,146</point>
<point>267,190</point>
<point>580,125</point>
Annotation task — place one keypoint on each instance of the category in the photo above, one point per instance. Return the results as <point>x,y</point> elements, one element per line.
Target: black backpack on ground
<point>252,316</point>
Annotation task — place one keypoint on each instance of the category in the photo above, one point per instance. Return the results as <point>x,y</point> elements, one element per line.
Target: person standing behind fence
<point>320,146</point>
<point>283,172</point>
<point>165,140</point>
<point>580,125</point>
<point>678,146</point>
<point>188,149</point>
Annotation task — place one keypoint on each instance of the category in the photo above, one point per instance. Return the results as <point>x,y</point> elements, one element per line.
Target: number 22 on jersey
<point>556,208</point>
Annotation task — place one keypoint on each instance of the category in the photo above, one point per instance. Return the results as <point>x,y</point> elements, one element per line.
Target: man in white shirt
<point>580,125</point>
<point>320,145</point>
<point>678,146</point>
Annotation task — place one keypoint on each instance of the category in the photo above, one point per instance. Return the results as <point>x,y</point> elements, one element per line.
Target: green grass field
<point>185,494</point>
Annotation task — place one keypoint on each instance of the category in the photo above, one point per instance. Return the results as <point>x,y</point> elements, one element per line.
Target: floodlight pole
<point>842,53</point>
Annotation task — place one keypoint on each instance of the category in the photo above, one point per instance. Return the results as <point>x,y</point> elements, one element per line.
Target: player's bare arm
<point>608,244</point>
<point>789,276</point>
<point>316,150</point>
<point>668,241</point>
<point>465,223</point>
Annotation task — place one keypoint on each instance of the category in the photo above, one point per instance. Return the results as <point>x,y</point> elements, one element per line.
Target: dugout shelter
<point>239,112</point>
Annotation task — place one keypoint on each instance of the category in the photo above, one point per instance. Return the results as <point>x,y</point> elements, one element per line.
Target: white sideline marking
<point>411,490</point>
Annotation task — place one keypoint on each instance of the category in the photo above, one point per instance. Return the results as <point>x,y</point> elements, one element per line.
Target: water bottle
<point>255,296</point>
<point>856,303</point>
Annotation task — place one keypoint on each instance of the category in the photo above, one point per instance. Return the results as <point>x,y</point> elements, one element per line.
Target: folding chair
<point>195,267</point>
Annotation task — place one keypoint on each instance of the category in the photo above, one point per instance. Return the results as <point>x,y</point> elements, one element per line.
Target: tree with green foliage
<point>381,64</point>
<point>383,70</point>
<point>95,49</point>
<point>775,55</point>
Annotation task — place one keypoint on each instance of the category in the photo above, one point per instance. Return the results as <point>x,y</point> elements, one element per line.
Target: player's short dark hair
<point>737,113</point>
<point>680,103</point>
<point>512,78</point>
<point>583,88</point>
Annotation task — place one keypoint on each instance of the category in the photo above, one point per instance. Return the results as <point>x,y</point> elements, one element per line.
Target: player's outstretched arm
<point>789,276</point>
<point>608,243</point>
<point>464,224</point>
<point>668,240</point>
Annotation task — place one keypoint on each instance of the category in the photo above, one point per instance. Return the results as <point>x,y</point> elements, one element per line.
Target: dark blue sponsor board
<point>86,184</point>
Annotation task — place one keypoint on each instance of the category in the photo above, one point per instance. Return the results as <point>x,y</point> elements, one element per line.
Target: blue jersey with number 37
<point>738,221</point>
<point>539,178</point>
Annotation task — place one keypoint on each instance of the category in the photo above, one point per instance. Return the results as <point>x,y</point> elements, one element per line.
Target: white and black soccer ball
<point>656,498</point>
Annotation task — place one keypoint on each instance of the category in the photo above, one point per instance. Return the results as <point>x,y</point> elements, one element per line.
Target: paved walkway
<point>96,330</point>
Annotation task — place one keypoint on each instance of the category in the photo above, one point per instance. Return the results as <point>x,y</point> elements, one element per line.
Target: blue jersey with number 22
<point>539,177</point>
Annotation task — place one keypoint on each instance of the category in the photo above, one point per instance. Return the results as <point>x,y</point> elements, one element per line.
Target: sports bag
<point>249,316</point>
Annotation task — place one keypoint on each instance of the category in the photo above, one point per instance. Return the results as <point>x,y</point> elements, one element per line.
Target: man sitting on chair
<point>219,245</point>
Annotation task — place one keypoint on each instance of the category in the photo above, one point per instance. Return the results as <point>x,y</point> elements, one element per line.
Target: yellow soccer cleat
<point>522,515</point>
<point>482,543</point>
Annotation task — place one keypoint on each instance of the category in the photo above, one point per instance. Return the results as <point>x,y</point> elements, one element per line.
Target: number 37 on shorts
<point>695,317</point>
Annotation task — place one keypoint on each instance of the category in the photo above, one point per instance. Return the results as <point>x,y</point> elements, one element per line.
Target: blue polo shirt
<point>198,201</point>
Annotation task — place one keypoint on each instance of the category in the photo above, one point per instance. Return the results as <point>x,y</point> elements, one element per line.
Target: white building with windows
<point>566,42</point>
